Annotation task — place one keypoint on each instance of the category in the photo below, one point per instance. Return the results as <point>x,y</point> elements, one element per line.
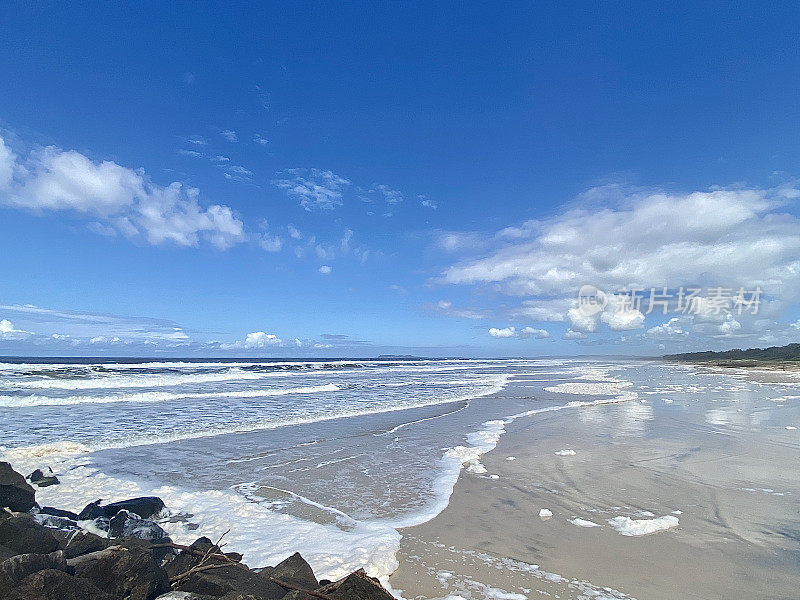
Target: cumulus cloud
<point>634,239</point>
<point>539,334</point>
<point>505,332</point>
<point>260,339</point>
<point>315,189</point>
<point>513,332</point>
<point>325,270</point>
<point>118,199</point>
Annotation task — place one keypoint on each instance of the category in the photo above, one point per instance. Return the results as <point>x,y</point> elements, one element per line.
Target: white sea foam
<point>583,522</point>
<point>38,400</point>
<point>138,381</point>
<point>592,389</point>
<point>637,527</point>
<point>567,452</point>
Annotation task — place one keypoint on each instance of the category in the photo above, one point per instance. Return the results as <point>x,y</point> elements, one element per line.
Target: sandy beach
<point>729,478</point>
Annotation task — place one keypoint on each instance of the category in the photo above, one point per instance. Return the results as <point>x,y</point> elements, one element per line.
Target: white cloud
<point>571,334</point>
<point>672,329</point>
<point>197,140</point>
<point>237,172</point>
<point>505,332</point>
<point>325,270</point>
<point>539,334</point>
<point>9,332</point>
<point>640,239</point>
<point>260,140</point>
<point>230,135</point>
<point>115,197</point>
<point>259,339</point>
<point>427,202</point>
<point>271,243</point>
<point>314,188</point>
<point>524,333</point>
<point>623,320</point>
<point>390,195</point>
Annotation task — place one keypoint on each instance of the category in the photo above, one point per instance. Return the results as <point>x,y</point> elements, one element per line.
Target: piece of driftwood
<point>290,586</point>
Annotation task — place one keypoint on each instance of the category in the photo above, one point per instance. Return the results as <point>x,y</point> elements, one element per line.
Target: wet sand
<point>729,467</point>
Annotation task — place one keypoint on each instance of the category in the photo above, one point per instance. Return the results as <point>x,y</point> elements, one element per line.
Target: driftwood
<point>197,569</point>
<point>289,586</point>
<point>207,555</point>
<point>190,550</point>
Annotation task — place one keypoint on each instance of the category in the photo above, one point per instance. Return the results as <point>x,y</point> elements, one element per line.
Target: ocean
<point>332,458</point>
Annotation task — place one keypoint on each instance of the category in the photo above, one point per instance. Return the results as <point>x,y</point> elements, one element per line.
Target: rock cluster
<point>46,554</point>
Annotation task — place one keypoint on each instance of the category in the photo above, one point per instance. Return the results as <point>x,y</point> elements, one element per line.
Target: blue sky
<point>326,180</point>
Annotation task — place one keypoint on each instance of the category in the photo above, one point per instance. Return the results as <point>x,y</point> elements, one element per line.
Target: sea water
<point>330,458</point>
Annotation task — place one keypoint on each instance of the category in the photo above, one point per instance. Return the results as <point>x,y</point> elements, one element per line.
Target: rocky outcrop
<point>51,584</point>
<point>39,479</point>
<point>129,573</point>
<point>49,556</point>
<point>15,493</point>
<point>22,534</point>
<point>17,568</point>
<point>144,508</point>
<point>356,586</point>
<point>293,570</point>
<point>235,577</point>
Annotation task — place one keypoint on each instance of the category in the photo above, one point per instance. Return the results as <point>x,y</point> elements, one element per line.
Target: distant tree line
<point>791,352</point>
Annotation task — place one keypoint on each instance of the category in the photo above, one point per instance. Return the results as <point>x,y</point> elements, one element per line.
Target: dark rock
<point>126,524</point>
<point>184,596</point>
<point>41,480</point>
<point>24,535</point>
<point>57,512</point>
<point>14,570</point>
<point>356,586</point>
<point>91,511</point>
<point>144,507</point>
<point>298,595</point>
<point>294,570</point>
<point>235,578</point>
<point>15,493</point>
<point>130,573</point>
<point>53,522</point>
<point>55,585</point>
<point>102,524</point>
<point>78,543</point>
<point>6,553</point>
<point>186,560</point>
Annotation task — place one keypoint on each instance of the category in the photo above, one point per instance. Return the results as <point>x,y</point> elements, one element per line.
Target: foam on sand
<point>566,452</point>
<point>584,523</point>
<point>637,527</point>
